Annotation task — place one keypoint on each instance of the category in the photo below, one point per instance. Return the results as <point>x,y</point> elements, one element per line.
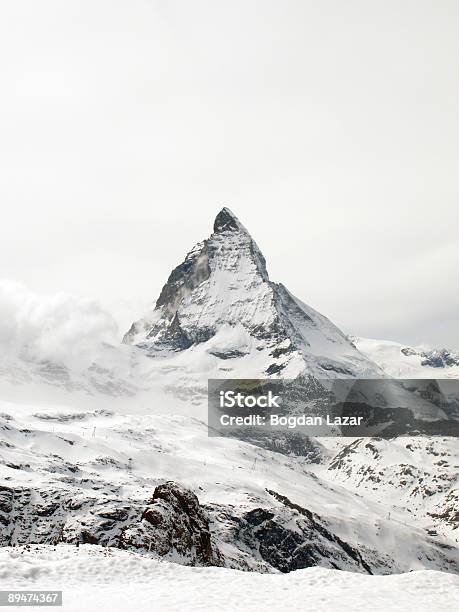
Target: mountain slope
<point>69,475</point>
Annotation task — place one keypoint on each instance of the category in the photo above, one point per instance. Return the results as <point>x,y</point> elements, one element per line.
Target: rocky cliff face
<point>172,524</point>
<point>220,306</point>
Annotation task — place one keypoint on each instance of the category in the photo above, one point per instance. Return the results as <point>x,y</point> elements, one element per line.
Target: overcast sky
<point>330,128</point>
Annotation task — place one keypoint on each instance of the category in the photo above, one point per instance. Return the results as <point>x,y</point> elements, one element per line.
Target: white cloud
<point>59,327</point>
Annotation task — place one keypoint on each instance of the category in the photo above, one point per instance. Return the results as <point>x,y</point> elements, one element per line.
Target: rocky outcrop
<point>174,525</point>
<point>285,537</point>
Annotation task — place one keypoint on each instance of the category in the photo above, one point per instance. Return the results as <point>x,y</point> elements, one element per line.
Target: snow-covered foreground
<point>93,578</point>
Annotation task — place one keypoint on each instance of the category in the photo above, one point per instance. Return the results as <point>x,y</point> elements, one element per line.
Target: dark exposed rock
<point>88,538</point>
<point>319,527</point>
<point>274,368</point>
<point>6,498</point>
<point>229,354</point>
<point>184,278</point>
<point>174,524</point>
<point>171,337</point>
<point>294,538</point>
<point>226,221</point>
<point>332,367</point>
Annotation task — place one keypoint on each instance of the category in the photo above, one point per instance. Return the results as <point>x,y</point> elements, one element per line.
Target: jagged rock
<point>174,525</point>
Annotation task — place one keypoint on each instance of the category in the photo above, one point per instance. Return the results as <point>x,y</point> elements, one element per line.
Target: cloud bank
<point>57,327</point>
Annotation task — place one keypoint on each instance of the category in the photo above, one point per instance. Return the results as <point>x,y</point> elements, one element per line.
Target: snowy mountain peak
<point>220,312</point>
<point>229,233</point>
<point>226,220</point>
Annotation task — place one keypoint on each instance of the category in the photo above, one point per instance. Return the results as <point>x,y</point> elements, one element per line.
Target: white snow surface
<point>109,580</point>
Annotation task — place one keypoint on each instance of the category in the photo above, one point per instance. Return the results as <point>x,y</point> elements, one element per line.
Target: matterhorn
<point>219,314</point>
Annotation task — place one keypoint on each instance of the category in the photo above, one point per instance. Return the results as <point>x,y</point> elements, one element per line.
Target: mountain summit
<point>220,309</point>
<point>226,220</point>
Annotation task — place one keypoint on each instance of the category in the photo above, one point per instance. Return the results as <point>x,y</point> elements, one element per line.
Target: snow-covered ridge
<point>402,361</point>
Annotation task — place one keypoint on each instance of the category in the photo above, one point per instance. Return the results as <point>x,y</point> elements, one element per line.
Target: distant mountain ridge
<point>403,361</point>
